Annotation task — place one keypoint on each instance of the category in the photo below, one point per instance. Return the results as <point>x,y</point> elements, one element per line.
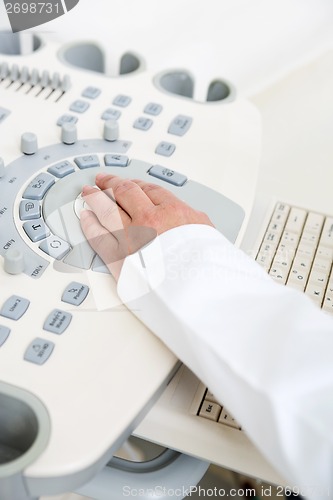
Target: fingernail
<point>101,176</point>
<point>85,189</point>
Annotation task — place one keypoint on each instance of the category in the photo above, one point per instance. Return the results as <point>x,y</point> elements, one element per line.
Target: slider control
<point>111,130</point>
<point>68,133</point>
<point>14,261</point>
<point>29,145</point>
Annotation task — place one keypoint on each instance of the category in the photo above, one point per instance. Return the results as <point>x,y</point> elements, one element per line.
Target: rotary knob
<point>14,261</point>
<point>68,133</point>
<point>111,130</point>
<point>29,145</point>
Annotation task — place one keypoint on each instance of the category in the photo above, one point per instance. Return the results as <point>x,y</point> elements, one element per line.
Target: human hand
<point>127,214</point>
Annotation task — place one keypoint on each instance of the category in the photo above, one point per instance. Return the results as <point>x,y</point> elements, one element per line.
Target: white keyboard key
<point>275,227</point>
<point>327,234</point>
<point>289,238</point>
<point>210,410</point>
<point>318,278</point>
<point>279,274</point>
<point>323,265</point>
<point>315,292</point>
<point>281,212</point>
<point>296,219</point>
<point>306,250</point>
<point>266,254</point>
<point>284,256</point>
<point>314,223</point>
<point>325,252</point>
<point>272,238</point>
<point>210,397</point>
<point>309,238</point>
<point>328,300</point>
<point>226,418</point>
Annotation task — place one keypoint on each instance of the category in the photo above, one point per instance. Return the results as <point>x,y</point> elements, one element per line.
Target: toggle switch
<point>111,130</point>
<point>29,145</point>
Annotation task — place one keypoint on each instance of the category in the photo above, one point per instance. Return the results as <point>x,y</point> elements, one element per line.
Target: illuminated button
<point>39,351</point>
<point>57,321</point>
<point>168,175</point>
<point>14,307</point>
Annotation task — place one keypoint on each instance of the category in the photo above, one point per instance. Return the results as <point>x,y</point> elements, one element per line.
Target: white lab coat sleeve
<point>264,350</point>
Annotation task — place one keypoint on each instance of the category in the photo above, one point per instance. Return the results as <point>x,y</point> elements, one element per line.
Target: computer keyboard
<point>297,251</point>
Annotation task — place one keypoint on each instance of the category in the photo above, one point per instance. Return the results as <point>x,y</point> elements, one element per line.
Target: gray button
<point>61,169</point>
<point>143,123</point>
<point>165,148</point>
<point>36,229</point>
<point>180,125</point>
<point>121,100</point>
<point>38,187</point>
<point>75,293</point>
<point>66,119</point>
<point>4,332</point>
<point>14,307</point>
<point>113,160</point>
<point>153,109</point>
<point>111,114</point>
<point>91,92</point>
<point>55,247</point>
<point>57,321</point>
<point>39,351</point>
<point>87,161</point>
<point>168,175</point>
<point>99,267</point>
<point>79,106</point>
<point>29,209</point>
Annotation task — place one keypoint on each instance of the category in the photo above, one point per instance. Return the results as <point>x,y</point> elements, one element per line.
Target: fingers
<point>127,193</point>
<point>155,193</point>
<point>109,214</point>
<point>102,241</point>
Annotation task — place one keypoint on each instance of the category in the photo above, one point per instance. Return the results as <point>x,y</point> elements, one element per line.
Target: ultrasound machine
<point>79,373</point>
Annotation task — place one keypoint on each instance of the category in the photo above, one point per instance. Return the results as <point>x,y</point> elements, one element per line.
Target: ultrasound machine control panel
<point>77,370</point>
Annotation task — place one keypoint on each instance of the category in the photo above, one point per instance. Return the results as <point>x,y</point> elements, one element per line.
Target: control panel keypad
<point>152,108</point>
<point>38,187</point>
<point>113,160</point>
<point>75,293</point>
<point>39,351</point>
<point>79,106</point>
<point>87,161</point>
<point>29,209</point>
<point>57,321</point>
<point>61,169</point>
<point>14,307</point>
<point>55,247</point>
<point>36,229</point>
<point>122,100</point>
<point>143,123</point>
<point>111,114</point>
